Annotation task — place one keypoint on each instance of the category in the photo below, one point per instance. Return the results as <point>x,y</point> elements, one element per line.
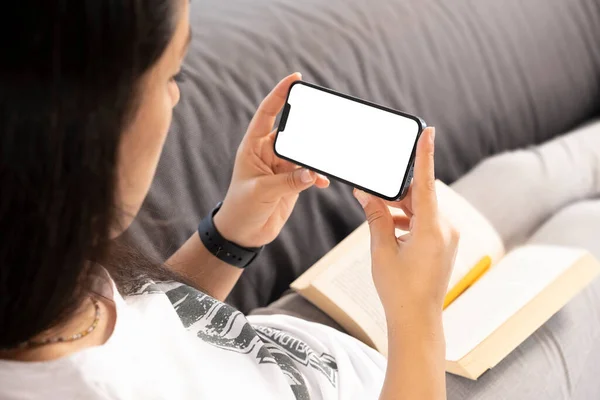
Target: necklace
<point>72,338</point>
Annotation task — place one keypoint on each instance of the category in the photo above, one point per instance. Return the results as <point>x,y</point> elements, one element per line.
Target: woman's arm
<point>262,194</point>
<point>416,354</point>
<point>411,274</point>
<point>203,270</point>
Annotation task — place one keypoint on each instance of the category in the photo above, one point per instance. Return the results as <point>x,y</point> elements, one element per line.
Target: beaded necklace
<point>62,339</point>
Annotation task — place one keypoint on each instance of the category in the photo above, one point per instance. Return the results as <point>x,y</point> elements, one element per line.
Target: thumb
<point>381,222</point>
<point>288,183</point>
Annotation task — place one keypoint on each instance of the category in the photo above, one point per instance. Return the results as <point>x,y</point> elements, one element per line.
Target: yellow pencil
<point>474,274</point>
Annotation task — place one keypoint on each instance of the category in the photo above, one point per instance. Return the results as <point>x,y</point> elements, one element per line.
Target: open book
<point>520,292</point>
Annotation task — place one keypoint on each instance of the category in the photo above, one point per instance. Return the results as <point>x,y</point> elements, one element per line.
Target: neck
<point>80,321</point>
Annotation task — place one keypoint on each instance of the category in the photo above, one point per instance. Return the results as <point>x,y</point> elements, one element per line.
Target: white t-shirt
<point>174,342</point>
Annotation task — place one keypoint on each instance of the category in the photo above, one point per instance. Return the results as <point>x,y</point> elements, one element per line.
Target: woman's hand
<point>412,272</point>
<point>264,188</point>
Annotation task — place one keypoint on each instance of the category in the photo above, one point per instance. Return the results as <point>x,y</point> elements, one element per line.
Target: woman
<point>87,93</point>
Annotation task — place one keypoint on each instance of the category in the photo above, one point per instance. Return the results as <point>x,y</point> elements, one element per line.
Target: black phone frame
<point>409,168</point>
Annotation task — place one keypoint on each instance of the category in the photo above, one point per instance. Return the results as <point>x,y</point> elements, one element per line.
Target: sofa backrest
<point>490,75</point>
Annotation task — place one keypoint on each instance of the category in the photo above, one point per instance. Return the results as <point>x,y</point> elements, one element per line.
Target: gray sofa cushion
<point>489,75</point>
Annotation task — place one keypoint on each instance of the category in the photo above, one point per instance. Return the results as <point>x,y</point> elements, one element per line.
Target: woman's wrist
<point>228,230</point>
<point>421,323</point>
<point>222,225</point>
<point>416,358</point>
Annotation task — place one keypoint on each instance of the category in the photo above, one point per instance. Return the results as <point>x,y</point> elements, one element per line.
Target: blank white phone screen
<point>361,144</point>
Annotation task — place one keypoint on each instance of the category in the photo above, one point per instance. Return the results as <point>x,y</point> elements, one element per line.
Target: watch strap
<point>223,249</point>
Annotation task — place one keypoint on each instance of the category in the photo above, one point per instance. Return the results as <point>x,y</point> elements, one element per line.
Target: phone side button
<point>407,182</point>
<point>410,175</point>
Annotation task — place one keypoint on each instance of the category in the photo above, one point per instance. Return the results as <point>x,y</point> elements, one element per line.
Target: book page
<point>477,236</point>
<point>349,284</point>
<point>522,275</point>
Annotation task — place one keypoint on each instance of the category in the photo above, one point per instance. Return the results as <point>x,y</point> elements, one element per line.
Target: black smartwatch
<point>223,249</point>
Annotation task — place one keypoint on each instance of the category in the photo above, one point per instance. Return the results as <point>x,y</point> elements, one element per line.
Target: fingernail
<point>432,136</point>
<point>299,74</point>
<point>322,177</point>
<point>362,197</point>
<point>306,176</point>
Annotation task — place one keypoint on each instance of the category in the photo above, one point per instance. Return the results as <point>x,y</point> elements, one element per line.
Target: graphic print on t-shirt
<point>225,327</point>
<point>298,351</point>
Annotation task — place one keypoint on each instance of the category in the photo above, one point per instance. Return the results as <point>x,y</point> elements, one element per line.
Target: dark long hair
<point>69,79</point>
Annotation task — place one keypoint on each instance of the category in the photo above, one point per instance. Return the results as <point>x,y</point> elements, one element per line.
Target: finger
<point>405,204</point>
<point>284,184</point>
<point>381,223</point>
<point>407,211</point>
<point>322,182</point>
<point>402,222</point>
<point>285,166</point>
<point>265,116</point>
<point>423,197</point>
<point>404,238</point>
<point>282,166</point>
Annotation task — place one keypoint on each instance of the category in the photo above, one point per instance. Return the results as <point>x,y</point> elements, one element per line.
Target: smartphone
<point>363,144</point>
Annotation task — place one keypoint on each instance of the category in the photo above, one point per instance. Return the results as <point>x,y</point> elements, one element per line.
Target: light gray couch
<point>490,75</point>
